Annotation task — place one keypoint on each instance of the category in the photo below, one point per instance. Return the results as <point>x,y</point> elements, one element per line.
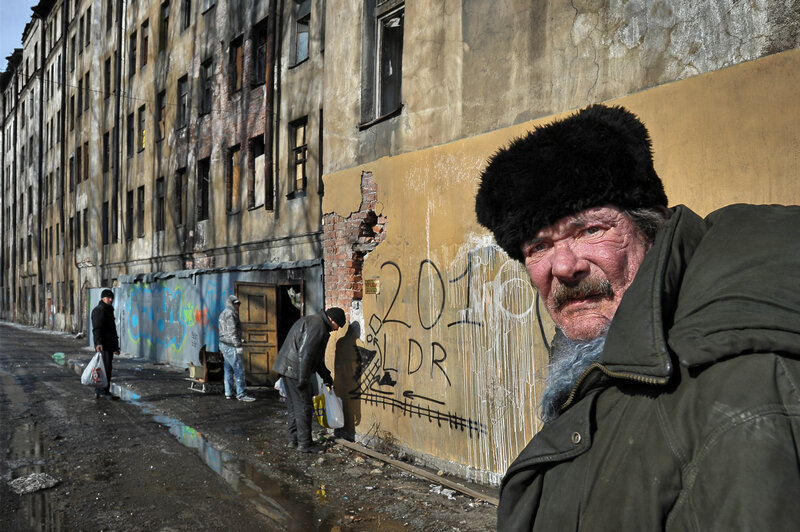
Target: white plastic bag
<point>95,372</point>
<point>334,413</point>
<point>280,387</point>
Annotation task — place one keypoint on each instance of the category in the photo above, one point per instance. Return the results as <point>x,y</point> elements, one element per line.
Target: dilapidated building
<point>178,150</point>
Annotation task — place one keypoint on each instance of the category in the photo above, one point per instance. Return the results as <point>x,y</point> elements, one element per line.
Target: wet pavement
<point>241,443</point>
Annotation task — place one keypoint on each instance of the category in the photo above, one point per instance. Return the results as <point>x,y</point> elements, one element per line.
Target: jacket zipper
<point>613,374</point>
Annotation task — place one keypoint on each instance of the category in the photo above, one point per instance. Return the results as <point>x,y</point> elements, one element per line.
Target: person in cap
<point>104,335</point>
<point>230,343</point>
<point>672,400</point>
<point>301,355</point>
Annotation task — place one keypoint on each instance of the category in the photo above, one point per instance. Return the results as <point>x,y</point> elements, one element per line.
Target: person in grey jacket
<point>672,400</point>
<point>230,343</point>
<point>301,355</point>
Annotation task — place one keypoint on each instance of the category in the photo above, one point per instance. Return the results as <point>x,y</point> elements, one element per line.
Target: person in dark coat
<point>301,355</point>
<point>672,400</point>
<point>104,334</point>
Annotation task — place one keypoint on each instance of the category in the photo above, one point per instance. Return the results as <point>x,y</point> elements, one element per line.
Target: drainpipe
<point>113,203</point>
<point>39,204</point>
<point>269,133</point>
<point>61,134</point>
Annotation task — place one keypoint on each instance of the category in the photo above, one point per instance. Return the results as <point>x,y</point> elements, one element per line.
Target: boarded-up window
<point>236,67</point>
<point>233,180</point>
<point>298,154</point>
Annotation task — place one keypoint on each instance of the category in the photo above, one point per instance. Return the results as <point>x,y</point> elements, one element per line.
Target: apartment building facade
<point>188,143</point>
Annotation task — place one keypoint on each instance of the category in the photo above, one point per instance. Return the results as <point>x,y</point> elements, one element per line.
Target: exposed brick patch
<point>346,241</point>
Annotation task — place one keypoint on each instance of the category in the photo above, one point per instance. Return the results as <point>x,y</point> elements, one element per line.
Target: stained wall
<point>447,358</point>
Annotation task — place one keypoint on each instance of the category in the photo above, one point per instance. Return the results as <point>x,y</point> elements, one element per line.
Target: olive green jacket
<point>690,420</point>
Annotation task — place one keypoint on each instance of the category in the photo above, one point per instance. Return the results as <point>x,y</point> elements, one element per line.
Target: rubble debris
<point>33,482</point>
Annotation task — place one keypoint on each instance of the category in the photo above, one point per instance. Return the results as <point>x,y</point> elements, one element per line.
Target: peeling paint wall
<point>473,67</point>
<point>447,360</point>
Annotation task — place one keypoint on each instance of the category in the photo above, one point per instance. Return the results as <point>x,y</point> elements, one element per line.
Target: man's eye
<point>534,249</point>
<point>592,230</point>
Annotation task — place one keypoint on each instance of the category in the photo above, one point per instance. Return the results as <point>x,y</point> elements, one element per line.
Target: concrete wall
<point>457,334</point>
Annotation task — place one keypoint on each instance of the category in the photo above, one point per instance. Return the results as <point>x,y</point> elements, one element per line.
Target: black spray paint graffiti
<point>379,376</point>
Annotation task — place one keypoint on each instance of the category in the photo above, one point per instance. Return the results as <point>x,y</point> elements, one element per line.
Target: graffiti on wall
<point>163,315</point>
<point>466,323</point>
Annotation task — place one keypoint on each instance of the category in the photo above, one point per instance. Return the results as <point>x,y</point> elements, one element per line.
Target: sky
<point>14,14</point>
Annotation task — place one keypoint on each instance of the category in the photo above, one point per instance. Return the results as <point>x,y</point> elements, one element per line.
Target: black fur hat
<point>598,156</point>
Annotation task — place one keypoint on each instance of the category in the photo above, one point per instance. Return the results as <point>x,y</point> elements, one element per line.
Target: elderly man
<point>673,395</point>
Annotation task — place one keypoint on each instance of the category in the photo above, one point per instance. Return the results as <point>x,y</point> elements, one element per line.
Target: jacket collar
<point>636,345</point>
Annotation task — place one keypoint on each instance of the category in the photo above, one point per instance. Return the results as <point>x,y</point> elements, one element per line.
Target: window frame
<point>298,157</point>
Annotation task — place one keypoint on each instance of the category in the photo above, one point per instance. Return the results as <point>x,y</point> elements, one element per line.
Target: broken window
<point>255,179</point>
<point>109,14</point>
<point>107,81</point>
<point>206,86</point>
<point>298,155</point>
<point>130,136</point>
<point>203,185</point>
<point>186,13</point>
<point>382,72</point>
<point>106,152</point>
<point>140,211</point>
<point>236,67</point>
<point>142,137</point>
<point>260,53</point>
<point>85,227</point>
<point>161,204</point>
<point>129,215</point>
<point>132,54</point>
<point>104,228</point>
<point>145,36</point>
<point>302,17</point>
<point>88,25</point>
<point>161,113</point>
<point>179,203</point>
<point>88,92</point>
<point>114,210</point>
<point>86,161</point>
<point>233,180</point>
<point>183,102</point>
<point>78,164</point>
<point>163,29</point>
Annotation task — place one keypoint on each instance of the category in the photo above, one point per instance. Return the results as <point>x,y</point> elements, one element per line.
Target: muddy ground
<point>163,457</point>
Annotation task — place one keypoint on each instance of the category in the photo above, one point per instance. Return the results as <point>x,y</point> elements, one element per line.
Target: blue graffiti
<point>213,299</point>
<point>154,315</point>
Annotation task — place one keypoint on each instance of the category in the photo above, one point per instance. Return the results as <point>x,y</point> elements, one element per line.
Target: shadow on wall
<point>346,366</point>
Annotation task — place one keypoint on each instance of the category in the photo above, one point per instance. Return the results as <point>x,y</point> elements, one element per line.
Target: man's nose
<point>567,265</point>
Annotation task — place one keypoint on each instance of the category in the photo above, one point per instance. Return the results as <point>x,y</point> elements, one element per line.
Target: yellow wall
<point>720,138</point>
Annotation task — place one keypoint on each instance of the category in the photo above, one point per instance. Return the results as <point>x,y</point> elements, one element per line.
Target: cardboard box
<point>196,372</point>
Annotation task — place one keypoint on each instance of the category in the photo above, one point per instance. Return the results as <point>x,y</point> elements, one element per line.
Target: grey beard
<point>570,358</point>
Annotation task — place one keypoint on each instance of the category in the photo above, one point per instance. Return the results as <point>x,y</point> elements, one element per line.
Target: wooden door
<point>258,314</point>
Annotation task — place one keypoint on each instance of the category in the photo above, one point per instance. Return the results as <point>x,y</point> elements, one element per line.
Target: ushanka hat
<point>597,156</point>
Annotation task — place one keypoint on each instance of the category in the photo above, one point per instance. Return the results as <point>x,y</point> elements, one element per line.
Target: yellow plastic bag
<point>319,410</point>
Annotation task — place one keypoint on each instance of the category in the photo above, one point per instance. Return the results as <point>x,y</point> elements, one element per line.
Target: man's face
<point>107,300</point>
<point>582,265</point>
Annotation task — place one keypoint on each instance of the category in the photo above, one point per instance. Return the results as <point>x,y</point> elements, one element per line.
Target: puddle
<point>27,455</point>
<point>271,497</point>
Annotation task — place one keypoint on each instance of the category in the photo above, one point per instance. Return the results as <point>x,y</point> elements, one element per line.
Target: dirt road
<point>162,457</point>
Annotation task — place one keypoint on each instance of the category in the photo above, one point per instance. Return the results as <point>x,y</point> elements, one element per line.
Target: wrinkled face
<point>582,265</point>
